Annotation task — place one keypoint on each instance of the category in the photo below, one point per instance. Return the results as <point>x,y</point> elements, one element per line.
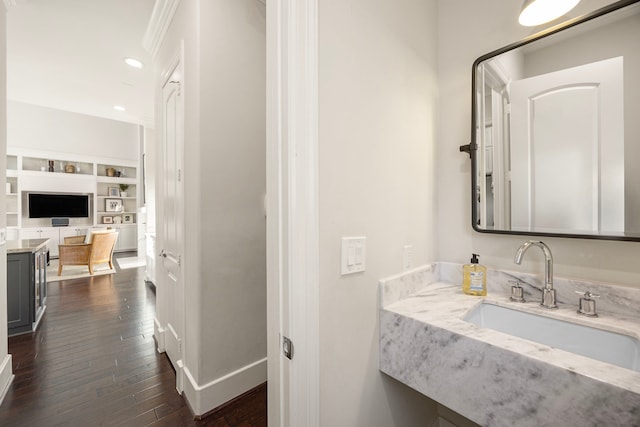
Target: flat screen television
<point>58,205</point>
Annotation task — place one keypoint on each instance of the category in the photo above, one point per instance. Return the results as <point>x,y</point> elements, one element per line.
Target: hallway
<point>93,361</point>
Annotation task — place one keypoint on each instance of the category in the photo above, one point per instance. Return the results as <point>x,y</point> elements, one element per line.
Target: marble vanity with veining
<point>497,379</point>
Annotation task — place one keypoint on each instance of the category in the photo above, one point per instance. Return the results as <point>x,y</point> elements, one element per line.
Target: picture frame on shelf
<point>127,219</point>
<point>107,220</point>
<point>113,205</point>
<point>113,191</point>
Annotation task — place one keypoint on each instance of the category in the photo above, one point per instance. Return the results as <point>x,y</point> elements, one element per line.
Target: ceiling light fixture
<point>119,108</point>
<point>133,62</point>
<point>536,12</point>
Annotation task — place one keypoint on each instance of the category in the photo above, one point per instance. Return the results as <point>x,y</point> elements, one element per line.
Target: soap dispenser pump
<point>475,278</point>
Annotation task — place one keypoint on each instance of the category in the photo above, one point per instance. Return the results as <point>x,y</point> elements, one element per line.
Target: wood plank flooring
<point>93,361</point>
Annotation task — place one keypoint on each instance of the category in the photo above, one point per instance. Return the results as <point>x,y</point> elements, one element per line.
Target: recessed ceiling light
<point>536,12</point>
<point>119,108</point>
<point>133,62</point>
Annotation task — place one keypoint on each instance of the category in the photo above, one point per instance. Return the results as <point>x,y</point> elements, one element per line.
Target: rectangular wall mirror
<point>556,131</point>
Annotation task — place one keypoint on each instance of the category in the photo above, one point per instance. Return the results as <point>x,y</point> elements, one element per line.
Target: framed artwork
<point>107,220</point>
<point>127,219</point>
<point>113,205</point>
<point>113,191</point>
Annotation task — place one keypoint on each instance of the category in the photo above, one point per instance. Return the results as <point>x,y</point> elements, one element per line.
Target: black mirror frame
<point>472,147</point>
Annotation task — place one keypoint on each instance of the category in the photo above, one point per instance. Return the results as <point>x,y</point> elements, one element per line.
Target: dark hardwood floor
<point>93,361</point>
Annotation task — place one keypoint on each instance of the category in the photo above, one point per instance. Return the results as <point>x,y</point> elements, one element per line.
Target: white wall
<point>225,272</point>
<point>6,369</point>
<point>463,38</point>
<point>232,163</point>
<point>41,128</point>
<point>377,119</point>
<point>150,170</point>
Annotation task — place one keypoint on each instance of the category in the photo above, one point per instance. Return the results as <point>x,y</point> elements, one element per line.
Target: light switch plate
<point>354,255</point>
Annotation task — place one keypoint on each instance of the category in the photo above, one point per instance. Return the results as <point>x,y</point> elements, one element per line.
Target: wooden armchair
<point>98,251</point>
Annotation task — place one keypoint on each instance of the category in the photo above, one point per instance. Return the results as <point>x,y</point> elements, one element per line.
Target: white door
<point>567,150</point>
<point>170,230</point>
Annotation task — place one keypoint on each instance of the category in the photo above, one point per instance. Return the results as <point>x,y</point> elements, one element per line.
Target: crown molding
<point>161,17</point>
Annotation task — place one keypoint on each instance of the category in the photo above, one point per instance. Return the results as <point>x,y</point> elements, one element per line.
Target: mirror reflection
<point>558,132</point>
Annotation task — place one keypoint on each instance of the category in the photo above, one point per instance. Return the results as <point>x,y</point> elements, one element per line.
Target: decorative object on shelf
<point>113,205</point>
<point>123,190</point>
<point>107,220</point>
<point>52,166</point>
<point>118,174</point>
<point>8,188</point>
<point>113,192</point>
<point>69,168</point>
<point>117,219</point>
<point>111,172</point>
<point>127,219</point>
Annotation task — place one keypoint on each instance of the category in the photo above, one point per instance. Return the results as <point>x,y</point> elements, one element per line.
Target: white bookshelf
<point>100,178</point>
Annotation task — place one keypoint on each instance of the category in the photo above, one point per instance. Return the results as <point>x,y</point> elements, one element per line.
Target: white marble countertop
<point>25,245</point>
<point>493,378</point>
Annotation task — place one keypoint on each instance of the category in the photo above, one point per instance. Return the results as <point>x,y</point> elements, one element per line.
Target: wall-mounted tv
<point>42,205</point>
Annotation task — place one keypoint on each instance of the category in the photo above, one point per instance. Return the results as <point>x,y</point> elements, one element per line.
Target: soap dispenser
<point>475,278</point>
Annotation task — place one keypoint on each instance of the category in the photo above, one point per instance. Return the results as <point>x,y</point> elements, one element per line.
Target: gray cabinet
<point>26,290</point>
<point>19,292</point>
<point>40,284</point>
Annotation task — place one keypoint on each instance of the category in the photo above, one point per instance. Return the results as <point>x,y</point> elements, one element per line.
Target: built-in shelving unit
<point>48,165</point>
<point>101,179</point>
<point>110,178</point>
<point>12,202</point>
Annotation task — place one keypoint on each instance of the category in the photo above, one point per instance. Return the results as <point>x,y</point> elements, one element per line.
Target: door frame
<point>292,212</point>
<point>175,63</point>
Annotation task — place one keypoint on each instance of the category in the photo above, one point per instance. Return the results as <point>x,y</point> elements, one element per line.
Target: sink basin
<point>599,344</point>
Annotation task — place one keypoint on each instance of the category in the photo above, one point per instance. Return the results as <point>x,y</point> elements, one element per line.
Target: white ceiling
<point>69,55</point>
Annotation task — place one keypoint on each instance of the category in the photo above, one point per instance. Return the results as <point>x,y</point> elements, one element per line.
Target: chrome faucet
<point>548,293</point>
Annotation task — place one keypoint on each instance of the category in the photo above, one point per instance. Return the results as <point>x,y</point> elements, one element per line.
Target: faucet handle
<point>586,304</point>
<point>517,292</point>
<point>587,294</point>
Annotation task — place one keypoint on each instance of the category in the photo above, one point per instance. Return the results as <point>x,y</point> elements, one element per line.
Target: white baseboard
<point>158,332</point>
<point>6,376</point>
<point>204,398</point>
<point>179,376</point>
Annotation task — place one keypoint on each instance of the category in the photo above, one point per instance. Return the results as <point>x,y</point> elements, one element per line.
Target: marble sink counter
<point>497,379</point>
